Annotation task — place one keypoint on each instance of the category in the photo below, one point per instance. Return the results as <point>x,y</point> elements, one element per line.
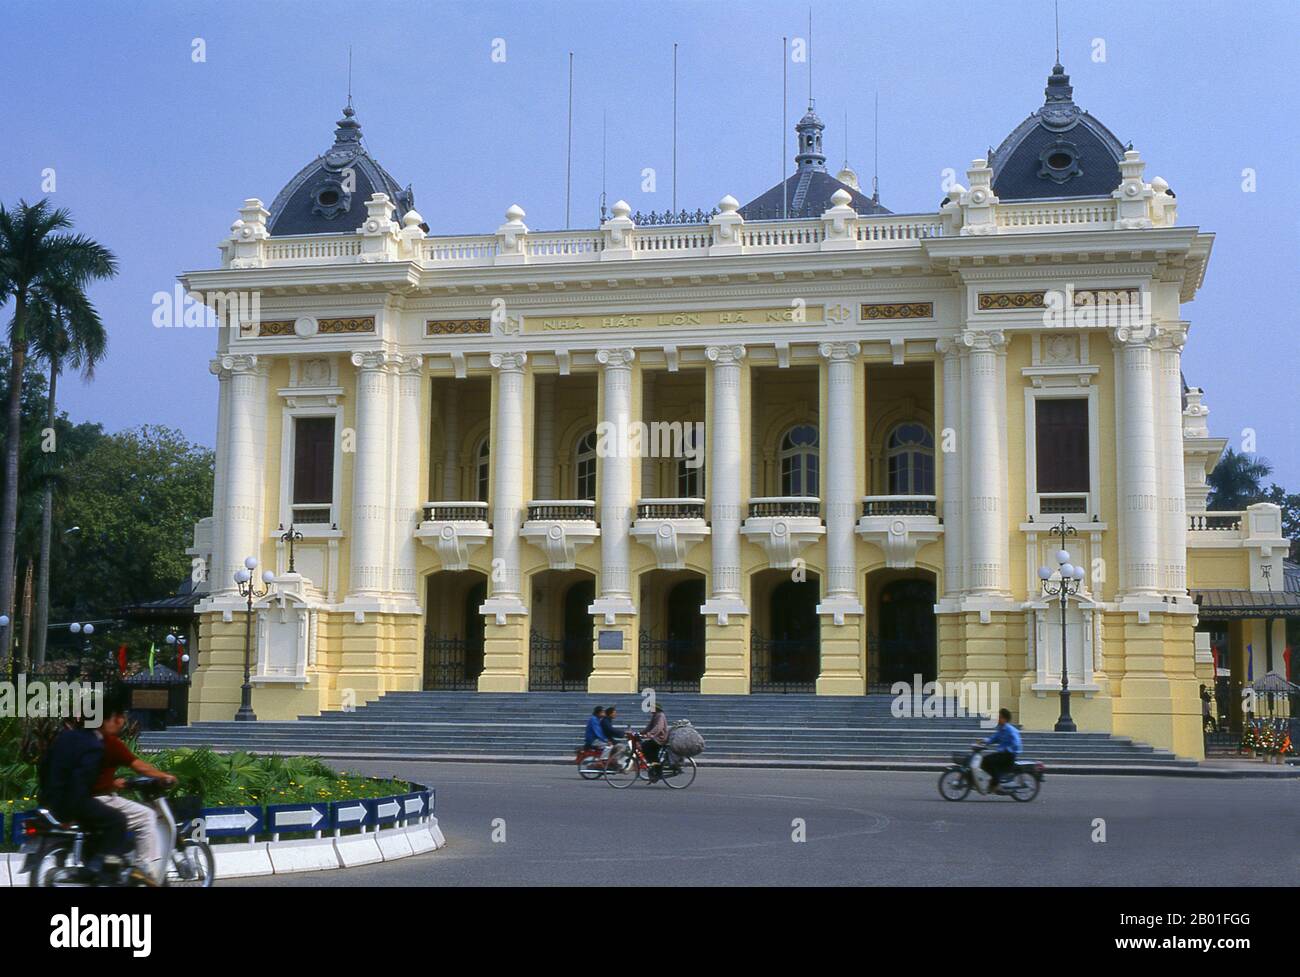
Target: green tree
<point>1289,502</point>
<point>66,330</point>
<point>1237,481</point>
<point>33,254</point>
<point>136,496</point>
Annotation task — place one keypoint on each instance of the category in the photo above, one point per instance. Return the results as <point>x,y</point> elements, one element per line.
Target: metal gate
<point>669,664</point>
<point>783,664</point>
<point>452,663</point>
<point>558,664</point>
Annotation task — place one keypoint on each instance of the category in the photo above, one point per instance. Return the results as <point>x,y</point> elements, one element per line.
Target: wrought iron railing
<point>785,506</point>
<point>310,515</point>
<point>452,663</point>
<point>558,664</point>
<point>581,509</point>
<point>783,664</point>
<point>1062,505</point>
<point>669,664</point>
<point>899,505</point>
<point>670,509</point>
<point>455,511</point>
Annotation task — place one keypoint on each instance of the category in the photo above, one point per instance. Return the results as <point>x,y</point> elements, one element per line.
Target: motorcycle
<point>54,851</point>
<point>589,759</point>
<point>966,774</point>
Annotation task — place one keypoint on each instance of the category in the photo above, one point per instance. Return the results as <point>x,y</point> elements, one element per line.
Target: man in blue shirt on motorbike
<point>1006,747</point>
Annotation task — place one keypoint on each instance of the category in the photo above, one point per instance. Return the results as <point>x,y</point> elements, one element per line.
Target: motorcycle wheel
<point>680,775</point>
<point>1023,788</point>
<point>588,769</point>
<point>51,870</point>
<point>623,775</point>
<point>953,785</point>
<point>191,865</point>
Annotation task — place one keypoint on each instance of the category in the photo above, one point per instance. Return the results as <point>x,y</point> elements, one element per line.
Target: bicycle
<point>625,768</point>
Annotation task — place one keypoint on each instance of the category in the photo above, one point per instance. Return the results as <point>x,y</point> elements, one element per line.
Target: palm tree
<point>65,331</point>
<point>33,255</point>
<point>1235,481</point>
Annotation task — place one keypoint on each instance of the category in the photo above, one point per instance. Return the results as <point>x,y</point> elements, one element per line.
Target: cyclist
<point>653,739</point>
<point>139,817</point>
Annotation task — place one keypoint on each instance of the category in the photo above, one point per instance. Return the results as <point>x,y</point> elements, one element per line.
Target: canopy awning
<point>1221,605</point>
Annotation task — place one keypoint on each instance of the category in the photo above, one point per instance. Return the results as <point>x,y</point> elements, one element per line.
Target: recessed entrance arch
<point>785,646</point>
<point>670,646</point>
<point>903,639</point>
<point>560,642</point>
<point>453,629</point>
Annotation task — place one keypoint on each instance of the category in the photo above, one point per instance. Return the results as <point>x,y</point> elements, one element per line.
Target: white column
<point>649,465</point>
<point>451,474</point>
<point>508,486</point>
<point>243,480</point>
<point>986,560</point>
<point>726,508</point>
<point>371,500</point>
<point>544,412</point>
<point>1137,477</point>
<point>952,467</point>
<point>218,582</point>
<point>407,501</point>
<point>1173,507</point>
<point>615,483</point>
<point>841,489</point>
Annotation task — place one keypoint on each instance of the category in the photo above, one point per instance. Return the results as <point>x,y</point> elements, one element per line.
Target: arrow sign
<point>349,814</point>
<point>413,805</point>
<point>385,809</point>
<point>295,817</point>
<point>225,822</point>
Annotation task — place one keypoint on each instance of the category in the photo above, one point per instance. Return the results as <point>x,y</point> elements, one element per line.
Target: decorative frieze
<point>1082,298</point>
<point>352,324</point>
<point>457,327</point>
<point>872,311</point>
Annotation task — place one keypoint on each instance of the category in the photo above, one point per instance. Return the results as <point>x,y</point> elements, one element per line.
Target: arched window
<point>690,477</point>
<point>799,461</point>
<point>481,470</point>
<point>909,453</point>
<point>584,468</point>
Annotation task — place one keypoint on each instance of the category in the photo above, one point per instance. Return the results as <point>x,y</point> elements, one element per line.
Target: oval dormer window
<point>328,198</point>
<point>1060,160</point>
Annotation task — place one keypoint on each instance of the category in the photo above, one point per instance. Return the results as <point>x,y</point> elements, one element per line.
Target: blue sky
<point>153,153</point>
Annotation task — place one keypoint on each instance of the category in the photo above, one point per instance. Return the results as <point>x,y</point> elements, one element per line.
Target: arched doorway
<point>904,643</point>
<point>670,646</point>
<point>560,648</point>
<point>453,630</point>
<point>787,658</point>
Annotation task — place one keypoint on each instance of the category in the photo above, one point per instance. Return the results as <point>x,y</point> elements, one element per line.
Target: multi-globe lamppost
<point>249,590</point>
<point>1066,586</point>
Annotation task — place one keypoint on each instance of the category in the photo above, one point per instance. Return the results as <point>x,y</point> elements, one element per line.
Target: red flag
<point>121,659</point>
<point>1286,657</point>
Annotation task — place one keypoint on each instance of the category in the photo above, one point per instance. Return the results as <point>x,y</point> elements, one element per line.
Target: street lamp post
<point>1067,586</point>
<point>85,630</point>
<point>289,536</point>
<point>177,641</point>
<point>248,589</point>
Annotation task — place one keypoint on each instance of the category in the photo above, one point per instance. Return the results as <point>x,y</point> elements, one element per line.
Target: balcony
<point>784,526</point>
<point>453,530</point>
<point>900,525</point>
<point>670,527</point>
<point>561,527</point>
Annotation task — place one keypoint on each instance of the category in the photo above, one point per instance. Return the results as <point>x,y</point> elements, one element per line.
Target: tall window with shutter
<point>313,468</point>
<point>1062,445</point>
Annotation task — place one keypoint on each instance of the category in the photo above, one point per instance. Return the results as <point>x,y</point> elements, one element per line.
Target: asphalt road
<point>737,826</point>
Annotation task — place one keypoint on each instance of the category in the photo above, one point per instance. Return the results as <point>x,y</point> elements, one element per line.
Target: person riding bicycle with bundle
<point>653,739</point>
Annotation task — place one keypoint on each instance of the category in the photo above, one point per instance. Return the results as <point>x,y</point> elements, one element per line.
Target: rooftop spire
<point>810,129</point>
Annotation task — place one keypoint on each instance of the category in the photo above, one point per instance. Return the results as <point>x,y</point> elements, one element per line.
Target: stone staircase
<point>776,730</point>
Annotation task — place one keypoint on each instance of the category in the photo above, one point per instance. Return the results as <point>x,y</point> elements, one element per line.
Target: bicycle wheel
<point>191,865</point>
<point>589,769</point>
<point>953,785</point>
<point>623,772</point>
<point>681,774</point>
<point>1023,788</point>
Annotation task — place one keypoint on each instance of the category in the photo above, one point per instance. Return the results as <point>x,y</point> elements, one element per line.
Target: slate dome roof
<point>1059,151</point>
<point>322,200</point>
<point>808,193</point>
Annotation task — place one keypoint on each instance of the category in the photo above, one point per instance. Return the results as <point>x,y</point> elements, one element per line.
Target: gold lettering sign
<point>455,327</point>
<point>897,310</point>
<point>989,301</point>
<point>785,314</point>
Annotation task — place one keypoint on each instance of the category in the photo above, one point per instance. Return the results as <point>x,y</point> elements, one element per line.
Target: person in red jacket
<point>139,817</point>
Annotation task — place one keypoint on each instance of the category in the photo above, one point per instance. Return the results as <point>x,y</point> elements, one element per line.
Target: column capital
<point>374,360</point>
<point>1171,336</point>
<point>616,358</point>
<point>839,352</point>
<point>238,363</point>
<point>409,363</point>
<point>509,362</point>
<point>984,340</point>
<point>949,347</point>
<point>726,355</point>
<point>1130,336</point>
